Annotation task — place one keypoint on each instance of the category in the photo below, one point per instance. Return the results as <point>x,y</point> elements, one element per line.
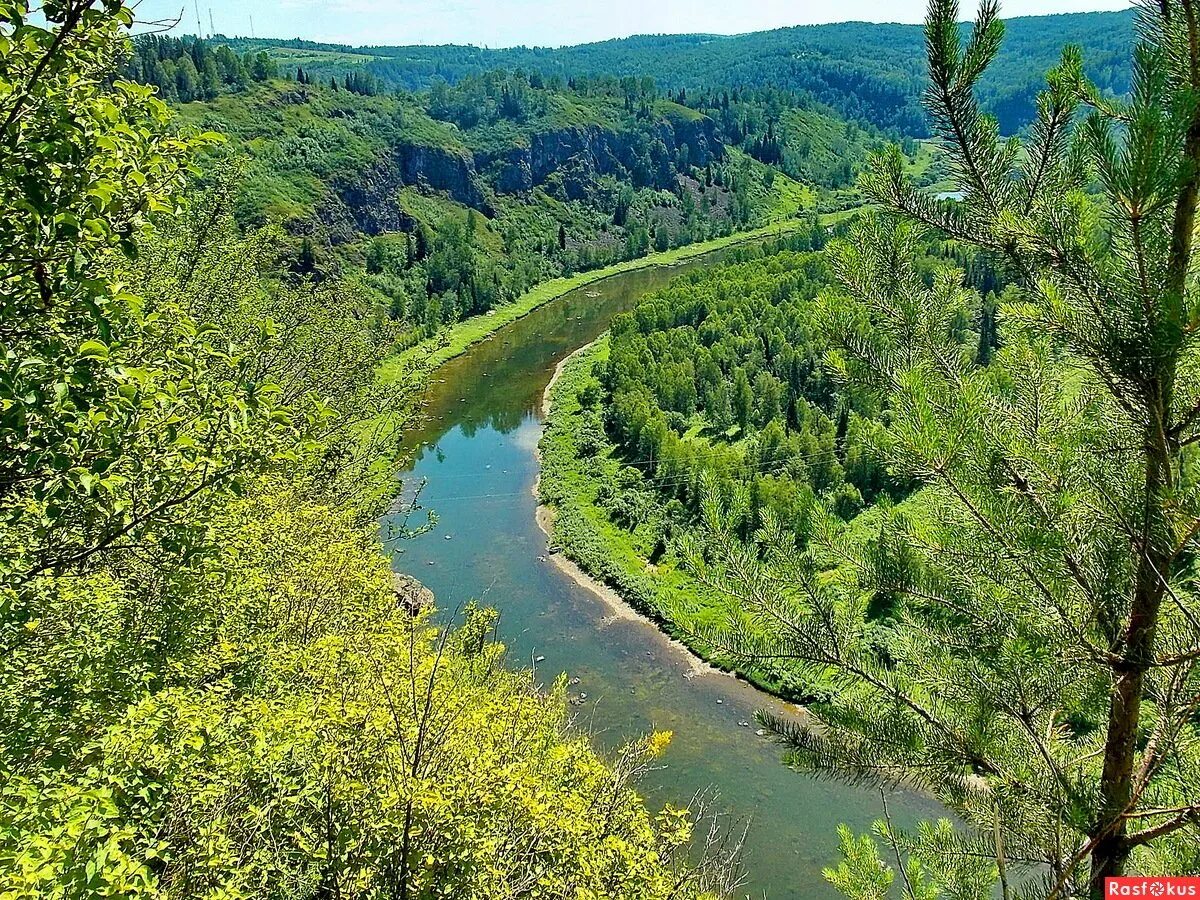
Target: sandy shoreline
<point>619,609</point>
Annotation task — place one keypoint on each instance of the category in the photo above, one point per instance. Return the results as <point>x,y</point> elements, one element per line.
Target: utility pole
<point>252,27</point>
<point>199,24</point>
<point>212,29</point>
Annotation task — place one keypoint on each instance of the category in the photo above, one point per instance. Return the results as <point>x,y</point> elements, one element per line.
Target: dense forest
<point>868,73</point>
<point>448,203</point>
<point>717,389</point>
<point>917,451</point>
<point>721,380</point>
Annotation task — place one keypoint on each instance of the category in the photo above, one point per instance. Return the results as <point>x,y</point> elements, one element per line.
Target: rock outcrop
<point>366,202</point>
<point>568,161</point>
<point>411,595</point>
<point>579,154</point>
<point>443,170</point>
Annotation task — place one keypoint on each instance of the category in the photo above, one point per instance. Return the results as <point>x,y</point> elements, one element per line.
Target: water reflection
<point>475,451</point>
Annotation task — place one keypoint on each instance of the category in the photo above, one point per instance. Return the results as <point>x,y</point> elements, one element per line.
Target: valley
<point>676,467</point>
<point>474,456</point>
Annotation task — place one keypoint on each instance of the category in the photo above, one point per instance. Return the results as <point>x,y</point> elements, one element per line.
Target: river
<point>475,451</point>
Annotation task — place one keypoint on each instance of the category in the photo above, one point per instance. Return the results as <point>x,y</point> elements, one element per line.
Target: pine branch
<point>1188,817</point>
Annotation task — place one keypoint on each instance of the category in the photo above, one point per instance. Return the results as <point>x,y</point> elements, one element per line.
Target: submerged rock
<point>413,596</point>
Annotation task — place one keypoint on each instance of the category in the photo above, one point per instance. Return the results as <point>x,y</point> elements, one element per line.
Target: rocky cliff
<point>585,152</point>
<point>567,160</point>
<point>367,202</point>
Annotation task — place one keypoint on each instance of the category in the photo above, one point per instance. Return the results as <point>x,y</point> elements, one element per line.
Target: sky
<point>546,23</point>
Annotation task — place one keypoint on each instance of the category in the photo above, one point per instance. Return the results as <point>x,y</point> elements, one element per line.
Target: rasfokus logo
<point>1153,888</point>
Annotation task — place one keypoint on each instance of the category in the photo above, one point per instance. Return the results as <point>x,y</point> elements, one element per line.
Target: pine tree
<point>843,427</point>
<point>743,400</point>
<point>988,338</point>
<point>1039,672</point>
<point>306,259</point>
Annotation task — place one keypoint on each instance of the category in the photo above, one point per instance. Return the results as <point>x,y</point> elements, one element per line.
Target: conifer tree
<point>1037,665</point>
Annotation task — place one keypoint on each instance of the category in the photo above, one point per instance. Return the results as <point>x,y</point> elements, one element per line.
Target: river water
<point>475,452</point>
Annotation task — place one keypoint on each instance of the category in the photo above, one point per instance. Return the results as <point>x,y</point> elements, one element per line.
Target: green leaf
<point>93,350</point>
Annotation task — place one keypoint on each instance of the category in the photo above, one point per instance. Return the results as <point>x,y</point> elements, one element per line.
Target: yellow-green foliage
<point>275,725</point>
<point>208,688</point>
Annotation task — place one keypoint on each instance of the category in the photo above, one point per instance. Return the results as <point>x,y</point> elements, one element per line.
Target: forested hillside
<point>872,74</point>
<point>447,203</point>
<point>211,684</point>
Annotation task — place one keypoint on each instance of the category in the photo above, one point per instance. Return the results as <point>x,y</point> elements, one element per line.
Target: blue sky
<point>506,23</point>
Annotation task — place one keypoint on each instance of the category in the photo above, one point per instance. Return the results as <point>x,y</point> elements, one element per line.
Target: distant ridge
<point>870,73</point>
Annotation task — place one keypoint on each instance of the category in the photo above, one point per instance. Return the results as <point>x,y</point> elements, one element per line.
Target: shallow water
<point>475,450</point>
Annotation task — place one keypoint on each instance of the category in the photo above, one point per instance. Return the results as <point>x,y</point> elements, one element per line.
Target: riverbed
<point>474,451</point>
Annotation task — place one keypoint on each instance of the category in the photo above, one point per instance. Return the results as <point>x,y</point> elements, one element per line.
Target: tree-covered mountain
<point>871,73</point>
<point>448,202</point>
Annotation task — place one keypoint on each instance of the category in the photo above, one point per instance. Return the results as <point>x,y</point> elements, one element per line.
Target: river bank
<point>429,354</point>
<point>618,606</point>
<point>611,562</point>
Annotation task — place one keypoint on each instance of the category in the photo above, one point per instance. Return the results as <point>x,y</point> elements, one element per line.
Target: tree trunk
<point>1155,555</point>
<point>1111,853</point>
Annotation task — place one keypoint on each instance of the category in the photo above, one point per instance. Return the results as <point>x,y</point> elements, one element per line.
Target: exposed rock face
<point>366,202</point>
<point>373,199</point>
<point>581,153</point>
<point>513,174</point>
<point>567,161</point>
<point>443,170</point>
<point>411,595</point>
